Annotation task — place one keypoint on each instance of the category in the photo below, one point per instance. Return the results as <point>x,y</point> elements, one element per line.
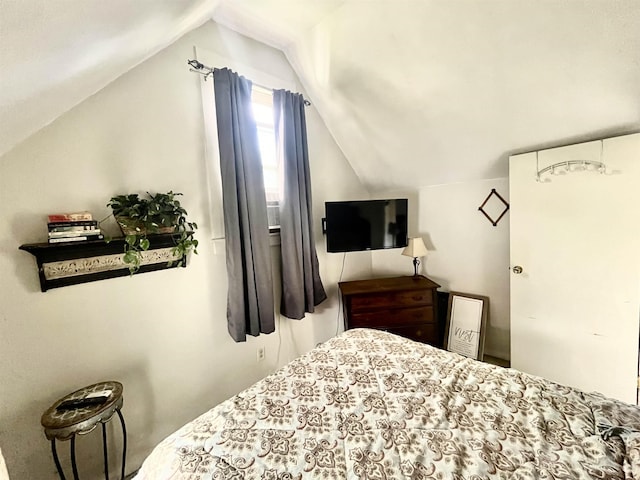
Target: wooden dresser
<point>406,306</point>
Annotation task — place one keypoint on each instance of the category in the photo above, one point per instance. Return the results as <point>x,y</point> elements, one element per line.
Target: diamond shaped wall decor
<point>486,200</point>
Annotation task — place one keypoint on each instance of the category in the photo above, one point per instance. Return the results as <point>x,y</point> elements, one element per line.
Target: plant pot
<point>130,226</point>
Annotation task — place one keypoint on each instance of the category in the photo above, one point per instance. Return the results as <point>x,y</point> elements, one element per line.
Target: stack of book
<point>73,227</point>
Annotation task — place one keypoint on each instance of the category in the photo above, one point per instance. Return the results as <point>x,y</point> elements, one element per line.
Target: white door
<point>575,308</point>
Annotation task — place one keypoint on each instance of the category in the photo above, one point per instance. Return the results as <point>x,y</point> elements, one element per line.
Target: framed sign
<point>466,320</point>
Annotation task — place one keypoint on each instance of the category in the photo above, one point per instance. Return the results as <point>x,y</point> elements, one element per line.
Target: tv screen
<point>366,225</point>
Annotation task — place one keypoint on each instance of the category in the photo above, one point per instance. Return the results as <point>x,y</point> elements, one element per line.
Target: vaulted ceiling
<point>415,92</point>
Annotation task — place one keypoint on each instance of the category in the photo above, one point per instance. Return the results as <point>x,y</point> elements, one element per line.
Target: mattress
<point>371,405</point>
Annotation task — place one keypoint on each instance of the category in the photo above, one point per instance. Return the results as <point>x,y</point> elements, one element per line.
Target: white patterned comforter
<point>371,405</point>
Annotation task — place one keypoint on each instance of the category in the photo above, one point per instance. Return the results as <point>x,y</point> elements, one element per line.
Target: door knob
<point>517,269</point>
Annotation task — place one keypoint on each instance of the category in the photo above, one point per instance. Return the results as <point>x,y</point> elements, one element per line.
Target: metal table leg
<point>74,466</point>
<point>56,460</point>
<point>105,453</point>
<point>124,442</point>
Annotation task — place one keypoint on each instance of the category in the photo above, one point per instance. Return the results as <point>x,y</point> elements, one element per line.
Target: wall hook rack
<point>570,166</point>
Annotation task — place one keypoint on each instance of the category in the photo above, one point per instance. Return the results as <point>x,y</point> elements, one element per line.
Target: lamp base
<point>416,263</point>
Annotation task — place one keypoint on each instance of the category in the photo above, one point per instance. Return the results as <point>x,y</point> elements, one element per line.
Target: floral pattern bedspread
<point>371,405</point>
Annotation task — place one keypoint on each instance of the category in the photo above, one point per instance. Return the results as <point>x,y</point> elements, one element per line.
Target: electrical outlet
<point>260,354</point>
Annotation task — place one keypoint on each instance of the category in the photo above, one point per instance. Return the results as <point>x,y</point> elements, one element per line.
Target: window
<point>263,99</point>
<point>262,102</point>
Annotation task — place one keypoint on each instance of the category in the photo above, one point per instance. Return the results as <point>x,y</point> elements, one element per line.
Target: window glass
<point>262,102</point>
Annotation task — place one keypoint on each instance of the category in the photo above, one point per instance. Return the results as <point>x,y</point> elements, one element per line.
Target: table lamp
<point>415,248</point>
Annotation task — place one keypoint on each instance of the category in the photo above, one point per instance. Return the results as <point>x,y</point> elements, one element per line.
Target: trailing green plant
<point>159,213</point>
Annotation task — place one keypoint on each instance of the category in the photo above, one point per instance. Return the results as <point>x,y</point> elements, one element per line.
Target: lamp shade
<point>415,248</point>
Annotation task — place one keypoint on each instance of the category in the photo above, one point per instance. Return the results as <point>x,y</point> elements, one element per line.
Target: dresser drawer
<point>427,333</point>
<point>396,299</point>
<point>392,317</point>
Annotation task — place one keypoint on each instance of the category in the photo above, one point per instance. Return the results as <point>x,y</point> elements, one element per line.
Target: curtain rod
<point>205,71</point>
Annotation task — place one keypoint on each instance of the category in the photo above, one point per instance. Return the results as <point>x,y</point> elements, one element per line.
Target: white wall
<point>467,253</point>
<point>162,334</point>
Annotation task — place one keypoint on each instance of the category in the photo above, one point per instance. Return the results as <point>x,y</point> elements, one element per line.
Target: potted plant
<point>159,213</point>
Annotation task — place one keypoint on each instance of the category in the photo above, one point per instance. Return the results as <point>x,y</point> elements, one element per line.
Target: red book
<point>70,217</point>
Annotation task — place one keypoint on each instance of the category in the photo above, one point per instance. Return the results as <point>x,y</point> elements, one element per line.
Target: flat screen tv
<point>358,225</point>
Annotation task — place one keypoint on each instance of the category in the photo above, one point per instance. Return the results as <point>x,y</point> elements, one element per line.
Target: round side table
<point>78,413</point>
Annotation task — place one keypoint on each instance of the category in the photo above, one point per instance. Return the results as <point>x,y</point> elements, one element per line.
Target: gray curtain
<point>250,307</point>
<point>302,288</point>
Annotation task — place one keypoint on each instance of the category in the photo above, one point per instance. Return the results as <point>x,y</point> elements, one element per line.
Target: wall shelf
<point>71,263</point>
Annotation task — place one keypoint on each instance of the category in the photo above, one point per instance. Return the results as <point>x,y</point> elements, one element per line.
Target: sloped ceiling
<point>415,92</point>
<point>56,53</point>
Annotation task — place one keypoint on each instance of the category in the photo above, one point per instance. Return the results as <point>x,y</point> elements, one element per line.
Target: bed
<point>371,405</point>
